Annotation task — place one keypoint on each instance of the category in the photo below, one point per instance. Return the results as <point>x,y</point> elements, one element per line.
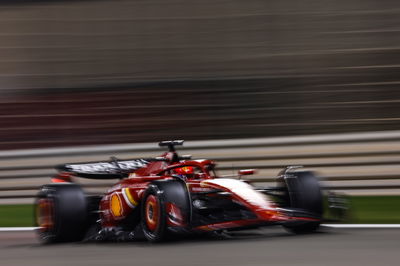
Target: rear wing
<point>104,170</point>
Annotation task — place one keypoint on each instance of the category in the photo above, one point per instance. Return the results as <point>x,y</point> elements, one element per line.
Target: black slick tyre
<point>154,216</point>
<point>303,194</point>
<point>61,213</point>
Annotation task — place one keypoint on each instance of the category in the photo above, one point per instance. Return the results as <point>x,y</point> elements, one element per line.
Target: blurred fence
<point>363,162</point>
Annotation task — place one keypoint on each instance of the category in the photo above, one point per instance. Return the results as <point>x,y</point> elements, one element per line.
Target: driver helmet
<point>186,170</point>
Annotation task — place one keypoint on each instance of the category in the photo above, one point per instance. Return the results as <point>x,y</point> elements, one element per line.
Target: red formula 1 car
<point>163,197</point>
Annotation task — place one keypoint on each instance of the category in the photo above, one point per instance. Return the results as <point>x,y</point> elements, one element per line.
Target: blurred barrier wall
<point>67,44</point>
<point>122,71</point>
<point>362,163</point>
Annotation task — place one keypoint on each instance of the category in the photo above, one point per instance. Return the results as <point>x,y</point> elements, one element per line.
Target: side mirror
<point>247,172</point>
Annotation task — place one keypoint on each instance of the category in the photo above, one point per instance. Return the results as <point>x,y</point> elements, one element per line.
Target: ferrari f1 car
<point>170,195</point>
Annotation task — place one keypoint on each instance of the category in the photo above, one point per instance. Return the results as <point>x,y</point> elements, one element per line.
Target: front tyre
<point>303,193</point>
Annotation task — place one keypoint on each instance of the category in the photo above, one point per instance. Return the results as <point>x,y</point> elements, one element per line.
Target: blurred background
<point>94,72</point>
<point>102,71</point>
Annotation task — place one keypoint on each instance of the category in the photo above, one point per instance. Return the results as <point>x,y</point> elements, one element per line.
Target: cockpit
<point>191,170</point>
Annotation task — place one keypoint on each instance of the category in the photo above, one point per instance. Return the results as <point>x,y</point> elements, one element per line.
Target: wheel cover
<point>45,214</point>
<point>152,213</point>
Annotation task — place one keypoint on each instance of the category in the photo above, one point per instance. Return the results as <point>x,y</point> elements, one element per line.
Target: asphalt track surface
<point>269,246</point>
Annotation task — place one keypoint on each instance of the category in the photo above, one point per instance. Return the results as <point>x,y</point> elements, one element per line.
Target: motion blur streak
<point>346,226</point>
<point>123,71</point>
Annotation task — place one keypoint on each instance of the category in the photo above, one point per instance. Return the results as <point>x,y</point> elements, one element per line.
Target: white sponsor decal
<point>200,189</point>
<point>106,166</point>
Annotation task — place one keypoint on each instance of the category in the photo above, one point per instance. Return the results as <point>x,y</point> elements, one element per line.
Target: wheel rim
<point>45,214</point>
<point>152,212</point>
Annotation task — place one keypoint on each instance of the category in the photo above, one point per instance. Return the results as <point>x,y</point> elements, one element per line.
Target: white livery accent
<point>242,190</point>
<point>126,198</point>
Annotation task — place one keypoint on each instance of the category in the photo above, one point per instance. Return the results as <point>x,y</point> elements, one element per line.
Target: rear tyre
<point>153,215</point>
<point>303,192</point>
<point>155,205</point>
<point>61,213</point>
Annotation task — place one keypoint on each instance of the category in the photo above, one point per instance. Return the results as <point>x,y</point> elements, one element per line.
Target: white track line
<point>344,226</point>
<point>16,229</point>
<point>355,226</point>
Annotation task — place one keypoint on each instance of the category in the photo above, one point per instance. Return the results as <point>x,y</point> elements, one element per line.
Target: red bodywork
<point>126,196</point>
